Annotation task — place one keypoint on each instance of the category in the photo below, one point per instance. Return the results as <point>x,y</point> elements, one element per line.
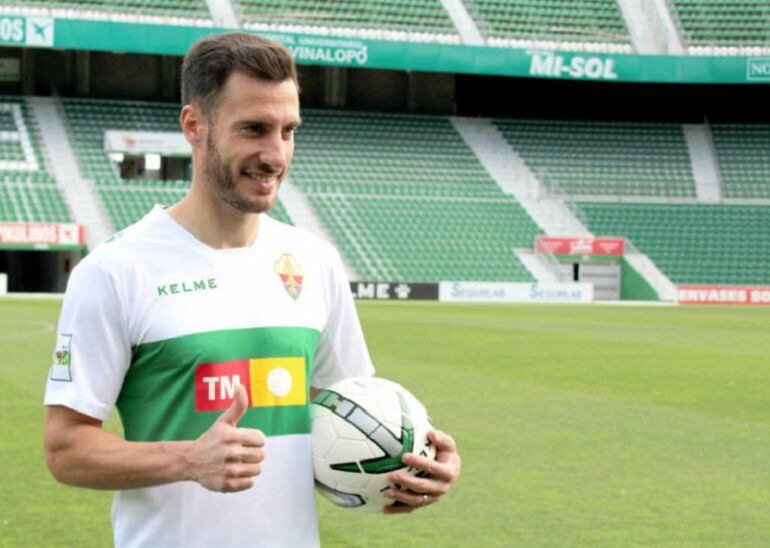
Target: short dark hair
<point>212,59</point>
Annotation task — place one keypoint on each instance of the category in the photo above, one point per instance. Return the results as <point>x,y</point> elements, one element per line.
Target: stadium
<point>554,214</point>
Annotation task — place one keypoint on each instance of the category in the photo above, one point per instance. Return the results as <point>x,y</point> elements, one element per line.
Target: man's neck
<point>219,226</point>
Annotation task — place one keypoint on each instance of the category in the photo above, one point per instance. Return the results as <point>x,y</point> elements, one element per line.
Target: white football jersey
<point>163,327</point>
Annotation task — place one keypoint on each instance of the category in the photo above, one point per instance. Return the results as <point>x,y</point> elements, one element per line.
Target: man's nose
<point>274,152</point>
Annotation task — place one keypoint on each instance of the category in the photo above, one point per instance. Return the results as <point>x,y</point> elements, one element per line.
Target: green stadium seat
<point>573,21</point>
<point>604,158</point>
<point>28,189</point>
<point>406,199</point>
<point>692,243</point>
<point>743,154</point>
<point>174,9</point>
<point>423,20</point>
<point>722,23</point>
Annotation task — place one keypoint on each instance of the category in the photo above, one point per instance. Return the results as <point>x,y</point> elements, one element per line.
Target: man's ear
<point>193,124</point>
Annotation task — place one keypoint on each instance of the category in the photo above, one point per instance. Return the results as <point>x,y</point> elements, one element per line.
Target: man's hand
<point>442,474</point>
<point>226,458</point>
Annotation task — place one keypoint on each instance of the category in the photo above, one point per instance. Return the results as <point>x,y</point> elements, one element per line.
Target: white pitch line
<point>47,327</point>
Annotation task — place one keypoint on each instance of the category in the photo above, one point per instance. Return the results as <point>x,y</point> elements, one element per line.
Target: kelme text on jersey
<point>189,286</point>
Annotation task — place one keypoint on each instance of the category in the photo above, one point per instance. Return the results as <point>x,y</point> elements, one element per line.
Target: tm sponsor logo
<point>758,69</point>
<point>578,66</point>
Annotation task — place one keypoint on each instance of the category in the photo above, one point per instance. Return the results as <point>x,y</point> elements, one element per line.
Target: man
<point>210,325</point>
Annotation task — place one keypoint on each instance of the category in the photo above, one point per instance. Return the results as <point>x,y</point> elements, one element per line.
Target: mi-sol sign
<point>723,295</point>
<point>579,67</point>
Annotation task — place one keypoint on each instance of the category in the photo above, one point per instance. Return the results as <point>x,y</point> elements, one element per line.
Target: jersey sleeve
<point>342,351</point>
<point>92,351</point>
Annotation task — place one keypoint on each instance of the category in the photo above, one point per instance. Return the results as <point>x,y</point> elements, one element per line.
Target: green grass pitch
<point>578,426</point>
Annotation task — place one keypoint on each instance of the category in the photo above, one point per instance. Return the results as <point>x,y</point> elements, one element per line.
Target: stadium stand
<point>692,243</point>
<point>28,190</point>
<point>126,201</point>
<point>44,203</point>
<point>21,155</point>
<point>194,12</point>
<point>406,199</point>
<point>743,153</point>
<point>574,24</point>
<point>728,26</point>
<point>604,158</point>
<point>88,119</point>
<point>424,240</point>
<point>415,20</point>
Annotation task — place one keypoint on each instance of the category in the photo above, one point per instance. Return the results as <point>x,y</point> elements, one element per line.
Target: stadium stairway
<point>651,27</point>
<point>466,26</point>
<point>302,215</point>
<point>515,178</point>
<point>541,270</point>
<point>223,13</point>
<point>79,192</point>
<point>703,156</point>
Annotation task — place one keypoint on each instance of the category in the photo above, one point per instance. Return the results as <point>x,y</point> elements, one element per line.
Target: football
<point>361,429</point>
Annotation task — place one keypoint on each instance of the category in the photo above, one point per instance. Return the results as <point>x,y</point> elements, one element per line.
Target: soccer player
<point>209,326</point>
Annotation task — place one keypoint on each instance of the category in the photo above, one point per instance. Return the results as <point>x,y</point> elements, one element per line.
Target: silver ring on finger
<point>424,500</point>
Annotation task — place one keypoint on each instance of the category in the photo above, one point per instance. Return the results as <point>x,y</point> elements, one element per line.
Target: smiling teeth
<point>258,178</point>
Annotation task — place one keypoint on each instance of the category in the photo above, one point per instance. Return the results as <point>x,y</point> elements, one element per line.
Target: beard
<point>223,183</point>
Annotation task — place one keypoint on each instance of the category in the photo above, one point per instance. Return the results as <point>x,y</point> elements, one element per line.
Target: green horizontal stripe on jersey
<point>157,401</point>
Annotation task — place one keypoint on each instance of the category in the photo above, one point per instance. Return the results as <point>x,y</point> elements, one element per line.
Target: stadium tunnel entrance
<point>37,271</point>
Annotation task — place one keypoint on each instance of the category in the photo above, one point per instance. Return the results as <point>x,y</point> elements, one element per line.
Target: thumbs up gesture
<point>226,458</point>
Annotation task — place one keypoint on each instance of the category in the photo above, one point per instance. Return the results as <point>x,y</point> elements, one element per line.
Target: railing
<point>551,188</point>
<point>649,270</point>
<point>554,266</point>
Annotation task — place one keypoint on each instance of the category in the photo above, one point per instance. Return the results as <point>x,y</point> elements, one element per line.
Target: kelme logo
<point>189,286</point>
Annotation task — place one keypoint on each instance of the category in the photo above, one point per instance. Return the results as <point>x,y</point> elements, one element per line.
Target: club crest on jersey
<point>288,270</point>
<point>60,370</point>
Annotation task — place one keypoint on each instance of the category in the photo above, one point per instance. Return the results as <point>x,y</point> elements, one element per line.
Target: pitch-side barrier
<point>474,292</point>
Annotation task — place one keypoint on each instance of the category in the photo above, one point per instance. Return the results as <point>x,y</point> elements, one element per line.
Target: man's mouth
<point>262,182</point>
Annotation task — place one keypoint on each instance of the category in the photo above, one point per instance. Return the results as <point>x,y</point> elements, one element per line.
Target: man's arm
<point>225,458</point>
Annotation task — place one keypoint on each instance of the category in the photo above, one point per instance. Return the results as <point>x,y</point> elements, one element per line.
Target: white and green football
<point>361,429</point>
